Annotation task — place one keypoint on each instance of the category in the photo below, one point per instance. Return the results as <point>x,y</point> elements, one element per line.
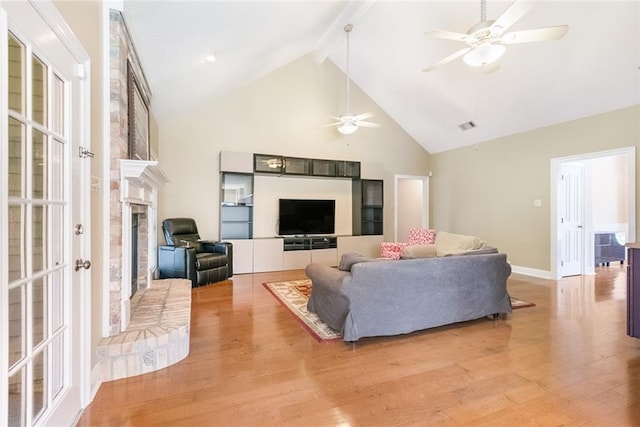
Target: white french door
<point>43,196</point>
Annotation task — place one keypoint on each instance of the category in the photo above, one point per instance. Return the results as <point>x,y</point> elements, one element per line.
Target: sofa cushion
<point>391,250</point>
<point>349,259</point>
<point>418,251</point>
<point>421,236</point>
<point>449,243</point>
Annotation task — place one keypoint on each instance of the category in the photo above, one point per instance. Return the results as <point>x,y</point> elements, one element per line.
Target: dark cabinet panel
<point>633,292</point>
<point>367,209</point>
<point>266,163</point>
<point>323,168</point>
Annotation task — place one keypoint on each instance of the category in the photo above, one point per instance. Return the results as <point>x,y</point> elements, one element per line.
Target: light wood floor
<point>565,362</point>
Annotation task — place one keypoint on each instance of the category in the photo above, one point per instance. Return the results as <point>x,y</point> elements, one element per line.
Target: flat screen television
<point>306,216</point>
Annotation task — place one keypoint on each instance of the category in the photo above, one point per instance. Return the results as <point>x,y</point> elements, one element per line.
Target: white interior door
<point>43,297</point>
<point>570,219</point>
<point>411,205</point>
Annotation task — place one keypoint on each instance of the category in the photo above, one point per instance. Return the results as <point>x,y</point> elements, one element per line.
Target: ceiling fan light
<point>347,128</point>
<point>484,54</point>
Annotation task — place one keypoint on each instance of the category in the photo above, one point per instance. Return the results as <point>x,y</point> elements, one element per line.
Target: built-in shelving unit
<point>236,206</point>
<point>310,243</point>
<point>368,206</point>
<point>283,165</point>
<point>261,254</point>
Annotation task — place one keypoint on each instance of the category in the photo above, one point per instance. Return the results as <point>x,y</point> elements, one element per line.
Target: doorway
<point>44,299</point>
<point>591,194</point>
<point>411,205</point>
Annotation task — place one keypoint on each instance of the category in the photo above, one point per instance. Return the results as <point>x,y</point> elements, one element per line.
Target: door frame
<point>556,165</point>
<point>55,22</point>
<point>425,198</point>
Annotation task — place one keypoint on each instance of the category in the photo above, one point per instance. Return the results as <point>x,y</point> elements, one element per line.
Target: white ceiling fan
<point>348,123</point>
<point>486,39</point>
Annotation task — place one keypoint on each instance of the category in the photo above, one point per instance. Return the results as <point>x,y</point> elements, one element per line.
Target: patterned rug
<point>294,294</point>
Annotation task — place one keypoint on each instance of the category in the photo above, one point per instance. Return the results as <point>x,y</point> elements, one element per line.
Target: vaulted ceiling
<point>595,68</point>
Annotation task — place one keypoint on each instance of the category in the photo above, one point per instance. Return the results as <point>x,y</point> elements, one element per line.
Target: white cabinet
<point>294,260</point>
<point>325,256</point>
<point>231,161</point>
<point>242,255</point>
<point>363,245</point>
<point>268,255</point>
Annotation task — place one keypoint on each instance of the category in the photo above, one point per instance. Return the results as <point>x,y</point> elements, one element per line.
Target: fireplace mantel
<point>140,179</point>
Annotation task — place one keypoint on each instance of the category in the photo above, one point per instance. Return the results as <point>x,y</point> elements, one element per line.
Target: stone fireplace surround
<point>139,183</point>
<point>151,330</point>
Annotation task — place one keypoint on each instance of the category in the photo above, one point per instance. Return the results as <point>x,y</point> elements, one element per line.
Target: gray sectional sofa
<point>371,297</point>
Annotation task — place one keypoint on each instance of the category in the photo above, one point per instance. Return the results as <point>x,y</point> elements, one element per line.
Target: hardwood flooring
<point>565,362</point>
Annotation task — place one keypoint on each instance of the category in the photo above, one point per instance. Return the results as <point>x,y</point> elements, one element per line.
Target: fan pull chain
<point>347,29</point>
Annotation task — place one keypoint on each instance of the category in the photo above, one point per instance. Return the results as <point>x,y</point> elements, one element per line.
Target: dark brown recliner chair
<point>186,256</point>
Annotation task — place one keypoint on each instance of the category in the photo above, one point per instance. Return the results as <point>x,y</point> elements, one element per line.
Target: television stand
<point>310,243</point>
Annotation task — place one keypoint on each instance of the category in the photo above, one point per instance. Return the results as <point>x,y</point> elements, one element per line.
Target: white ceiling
<point>593,69</point>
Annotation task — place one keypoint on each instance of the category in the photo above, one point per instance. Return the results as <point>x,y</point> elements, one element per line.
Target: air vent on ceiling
<point>467,125</point>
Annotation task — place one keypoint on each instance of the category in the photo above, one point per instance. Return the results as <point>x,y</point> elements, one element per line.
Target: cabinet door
<point>325,256</point>
<point>372,193</point>
<point>297,166</point>
<point>348,169</point>
<point>268,163</point>
<point>267,255</point>
<point>323,168</point>
<point>294,260</point>
<point>236,206</point>
<point>242,256</point>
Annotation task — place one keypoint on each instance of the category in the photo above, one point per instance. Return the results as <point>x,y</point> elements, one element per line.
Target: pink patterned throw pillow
<point>391,250</point>
<point>421,236</point>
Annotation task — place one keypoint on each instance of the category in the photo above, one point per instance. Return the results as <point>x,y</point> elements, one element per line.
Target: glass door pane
<point>37,290</point>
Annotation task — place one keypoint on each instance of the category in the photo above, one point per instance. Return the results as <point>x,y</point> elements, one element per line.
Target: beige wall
<point>609,191</point>
<point>281,113</point>
<point>488,190</point>
<point>85,19</point>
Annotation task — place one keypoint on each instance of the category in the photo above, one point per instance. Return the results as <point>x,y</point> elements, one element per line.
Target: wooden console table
<point>633,289</point>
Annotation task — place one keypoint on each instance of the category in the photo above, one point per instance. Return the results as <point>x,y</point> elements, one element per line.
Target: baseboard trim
<point>542,274</point>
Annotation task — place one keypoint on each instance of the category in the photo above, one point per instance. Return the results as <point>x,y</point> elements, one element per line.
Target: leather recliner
<point>187,256</point>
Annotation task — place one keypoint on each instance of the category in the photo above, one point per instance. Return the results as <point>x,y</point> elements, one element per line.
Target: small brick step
<point>157,336</point>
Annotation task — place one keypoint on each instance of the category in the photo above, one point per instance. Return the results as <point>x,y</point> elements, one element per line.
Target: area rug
<point>520,303</point>
<point>294,294</point>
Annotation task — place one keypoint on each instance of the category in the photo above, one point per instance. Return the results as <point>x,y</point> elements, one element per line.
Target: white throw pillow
<point>449,243</point>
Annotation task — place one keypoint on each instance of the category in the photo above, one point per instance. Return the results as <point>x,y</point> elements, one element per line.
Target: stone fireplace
<point>139,184</point>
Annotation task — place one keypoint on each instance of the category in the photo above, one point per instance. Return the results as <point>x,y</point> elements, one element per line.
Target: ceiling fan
<point>486,39</point>
<point>348,123</point>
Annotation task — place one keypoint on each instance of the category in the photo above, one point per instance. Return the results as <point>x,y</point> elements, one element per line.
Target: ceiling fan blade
<point>536,35</point>
<point>332,124</point>
<point>367,124</point>
<point>510,16</point>
<point>449,35</point>
<point>448,59</point>
<point>339,119</point>
<point>363,116</point>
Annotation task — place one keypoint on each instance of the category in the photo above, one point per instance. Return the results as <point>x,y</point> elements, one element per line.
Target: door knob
<point>86,264</point>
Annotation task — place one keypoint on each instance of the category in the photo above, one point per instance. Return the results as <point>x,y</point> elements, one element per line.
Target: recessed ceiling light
<point>211,57</point>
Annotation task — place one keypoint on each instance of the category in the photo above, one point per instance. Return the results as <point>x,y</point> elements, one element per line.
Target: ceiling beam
<point>352,12</point>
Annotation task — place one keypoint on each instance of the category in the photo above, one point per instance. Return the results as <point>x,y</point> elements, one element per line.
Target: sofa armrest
<point>327,299</point>
<point>177,262</point>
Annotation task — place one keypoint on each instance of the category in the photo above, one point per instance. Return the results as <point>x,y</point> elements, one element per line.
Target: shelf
<point>310,243</point>
<point>300,166</point>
